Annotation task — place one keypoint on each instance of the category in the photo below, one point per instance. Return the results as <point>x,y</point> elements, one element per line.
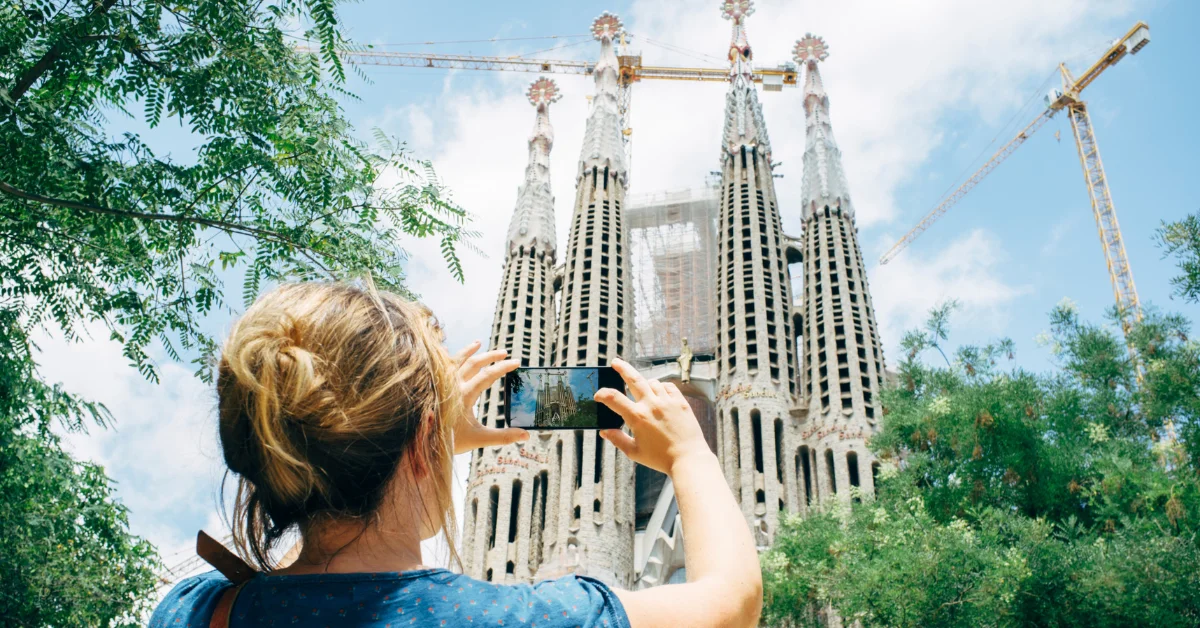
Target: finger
<point>657,388</point>
<point>490,437</point>
<point>619,403</point>
<point>633,380</point>
<point>510,435</point>
<point>622,441</point>
<point>675,394</point>
<point>466,352</point>
<point>486,376</point>
<point>470,368</point>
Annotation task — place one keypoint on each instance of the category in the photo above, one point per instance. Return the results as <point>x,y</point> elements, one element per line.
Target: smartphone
<point>561,398</point>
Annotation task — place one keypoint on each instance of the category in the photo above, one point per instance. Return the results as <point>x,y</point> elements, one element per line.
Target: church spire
<point>824,180</point>
<point>744,126</point>
<point>532,223</point>
<point>603,147</point>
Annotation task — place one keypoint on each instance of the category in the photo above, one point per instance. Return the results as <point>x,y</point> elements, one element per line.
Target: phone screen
<point>561,398</point>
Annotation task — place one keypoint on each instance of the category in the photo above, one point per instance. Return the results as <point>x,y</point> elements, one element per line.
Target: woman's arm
<point>724,586</point>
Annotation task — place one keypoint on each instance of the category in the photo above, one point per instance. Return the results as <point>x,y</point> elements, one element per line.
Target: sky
<point>921,93</point>
<point>582,382</point>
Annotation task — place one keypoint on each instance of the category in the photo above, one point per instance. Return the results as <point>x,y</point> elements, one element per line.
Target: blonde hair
<point>322,389</point>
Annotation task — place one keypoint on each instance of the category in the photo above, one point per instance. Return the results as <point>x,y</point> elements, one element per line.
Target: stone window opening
<point>756,428</point>
<point>779,450</point>
<point>514,512</point>
<point>578,459</point>
<point>493,505</point>
<point>830,471</point>
<point>599,474</point>
<point>737,436</point>
<point>852,467</point>
<point>804,472</point>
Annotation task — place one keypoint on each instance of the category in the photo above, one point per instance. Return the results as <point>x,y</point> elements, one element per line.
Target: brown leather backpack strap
<point>230,566</point>
<point>224,609</point>
<point>223,560</point>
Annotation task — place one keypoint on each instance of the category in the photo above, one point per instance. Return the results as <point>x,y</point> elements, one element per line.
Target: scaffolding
<point>673,250</point>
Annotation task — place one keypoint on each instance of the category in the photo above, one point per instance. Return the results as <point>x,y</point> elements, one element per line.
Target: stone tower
<point>592,487</point>
<point>843,360</point>
<point>755,349</point>
<point>506,489</point>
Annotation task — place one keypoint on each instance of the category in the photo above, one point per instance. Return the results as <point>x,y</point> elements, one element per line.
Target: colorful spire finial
<point>607,26</point>
<point>736,9</point>
<point>543,92</point>
<point>811,48</point>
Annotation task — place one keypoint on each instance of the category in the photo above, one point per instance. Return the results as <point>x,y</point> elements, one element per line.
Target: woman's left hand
<point>475,374</point>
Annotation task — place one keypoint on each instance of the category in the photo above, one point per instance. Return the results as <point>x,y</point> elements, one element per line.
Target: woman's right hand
<point>664,427</point>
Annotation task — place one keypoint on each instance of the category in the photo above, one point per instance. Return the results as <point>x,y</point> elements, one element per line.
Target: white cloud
<point>162,450</point>
<point>967,269</point>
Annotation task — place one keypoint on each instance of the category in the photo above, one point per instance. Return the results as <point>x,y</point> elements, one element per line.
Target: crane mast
<point>1067,99</point>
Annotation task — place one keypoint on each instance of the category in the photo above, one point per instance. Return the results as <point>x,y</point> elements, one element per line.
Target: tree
<point>101,226</point>
<point>1182,239</point>
<point>1014,498</point>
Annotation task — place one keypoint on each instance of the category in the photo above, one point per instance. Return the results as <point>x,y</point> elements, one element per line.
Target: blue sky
<point>917,92</point>
<point>582,381</point>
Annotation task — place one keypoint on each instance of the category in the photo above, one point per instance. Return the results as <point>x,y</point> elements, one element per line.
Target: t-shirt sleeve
<point>191,602</point>
<point>576,601</point>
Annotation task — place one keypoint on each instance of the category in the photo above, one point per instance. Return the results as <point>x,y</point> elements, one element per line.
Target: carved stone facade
<point>507,487</point>
<point>843,357</point>
<point>787,395</point>
<point>755,350</point>
<point>593,534</point>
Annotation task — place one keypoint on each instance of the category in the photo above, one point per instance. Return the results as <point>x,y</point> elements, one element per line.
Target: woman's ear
<point>419,458</point>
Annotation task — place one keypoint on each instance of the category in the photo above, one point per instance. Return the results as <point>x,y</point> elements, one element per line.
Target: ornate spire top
<point>602,143</point>
<point>607,26</point>
<point>533,219</point>
<point>824,180</point>
<point>737,9</point>
<point>811,49</point>
<point>542,92</point>
<point>744,124</point>
<point>740,56</point>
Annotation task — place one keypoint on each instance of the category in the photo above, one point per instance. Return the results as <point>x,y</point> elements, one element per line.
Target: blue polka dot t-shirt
<point>432,597</point>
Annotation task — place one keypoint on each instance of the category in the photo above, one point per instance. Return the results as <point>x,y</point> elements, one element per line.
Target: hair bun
<point>322,391</point>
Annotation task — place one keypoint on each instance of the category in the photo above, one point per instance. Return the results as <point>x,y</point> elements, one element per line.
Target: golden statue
<point>685,362</point>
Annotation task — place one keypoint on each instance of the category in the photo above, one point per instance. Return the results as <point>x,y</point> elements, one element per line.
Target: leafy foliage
<point>66,557</point>
<point>1182,239</point>
<point>100,226</point>
<point>1013,498</point>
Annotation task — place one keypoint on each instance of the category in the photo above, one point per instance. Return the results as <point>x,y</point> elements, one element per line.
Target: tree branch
<point>124,213</point>
<point>35,72</point>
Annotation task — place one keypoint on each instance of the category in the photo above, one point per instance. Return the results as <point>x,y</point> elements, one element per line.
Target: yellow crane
<point>1068,99</point>
<point>631,70</point>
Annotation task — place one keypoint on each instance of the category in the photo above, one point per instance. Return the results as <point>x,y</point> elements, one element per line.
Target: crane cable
<point>1003,130</point>
<point>478,41</point>
<point>694,54</point>
<point>1007,125</point>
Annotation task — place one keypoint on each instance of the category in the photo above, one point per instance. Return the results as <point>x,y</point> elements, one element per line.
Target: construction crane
<point>1068,99</point>
<point>631,70</point>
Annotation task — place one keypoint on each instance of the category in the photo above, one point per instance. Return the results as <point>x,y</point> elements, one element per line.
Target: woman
<point>340,412</point>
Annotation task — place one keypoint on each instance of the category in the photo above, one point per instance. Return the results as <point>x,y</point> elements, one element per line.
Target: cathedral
<point>785,386</point>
